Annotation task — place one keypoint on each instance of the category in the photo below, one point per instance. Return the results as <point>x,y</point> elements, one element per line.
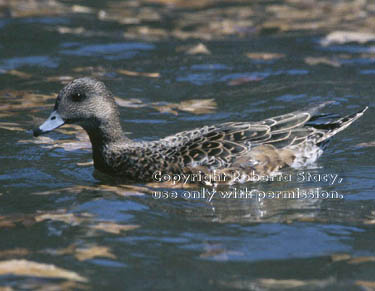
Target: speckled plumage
<point>294,139</point>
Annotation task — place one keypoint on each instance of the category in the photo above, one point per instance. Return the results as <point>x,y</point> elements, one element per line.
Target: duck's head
<point>86,102</point>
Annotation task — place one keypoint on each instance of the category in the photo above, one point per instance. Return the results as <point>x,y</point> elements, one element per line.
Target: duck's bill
<point>54,121</point>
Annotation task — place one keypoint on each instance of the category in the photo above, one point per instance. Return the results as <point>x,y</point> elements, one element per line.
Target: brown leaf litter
<point>138,74</point>
<point>83,253</point>
<point>313,61</point>
<point>265,56</point>
<point>40,270</point>
<point>114,228</point>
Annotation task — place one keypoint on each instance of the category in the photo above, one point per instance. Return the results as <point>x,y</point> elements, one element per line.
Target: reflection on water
<point>249,204</point>
<point>176,65</point>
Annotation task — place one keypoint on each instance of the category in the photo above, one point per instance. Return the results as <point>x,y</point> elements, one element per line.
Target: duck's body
<point>259,147</point>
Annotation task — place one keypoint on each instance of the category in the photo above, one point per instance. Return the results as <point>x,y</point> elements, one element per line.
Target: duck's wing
<point>223,144</point>
<point>291,129</point>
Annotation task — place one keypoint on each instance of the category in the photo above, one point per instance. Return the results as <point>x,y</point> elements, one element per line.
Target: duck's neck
<point>106,137</point>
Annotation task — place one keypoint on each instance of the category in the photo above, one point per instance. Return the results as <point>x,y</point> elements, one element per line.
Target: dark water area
<point>173,66</point>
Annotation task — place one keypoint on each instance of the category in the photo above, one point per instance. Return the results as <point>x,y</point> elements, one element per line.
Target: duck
<point>264,147</point>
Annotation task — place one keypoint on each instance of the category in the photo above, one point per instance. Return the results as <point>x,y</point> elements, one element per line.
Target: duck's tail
<point>332,127</point>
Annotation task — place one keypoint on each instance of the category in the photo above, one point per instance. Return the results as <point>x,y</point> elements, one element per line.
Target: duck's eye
<point>76,97</point>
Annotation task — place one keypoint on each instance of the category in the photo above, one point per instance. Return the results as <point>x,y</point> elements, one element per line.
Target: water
<point>56,210</point>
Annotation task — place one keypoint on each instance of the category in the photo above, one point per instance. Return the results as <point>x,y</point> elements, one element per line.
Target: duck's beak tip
<point>54,121</point>
<point>37,132</point>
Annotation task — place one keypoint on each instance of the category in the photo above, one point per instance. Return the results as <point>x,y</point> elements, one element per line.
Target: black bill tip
<point>37,132</point>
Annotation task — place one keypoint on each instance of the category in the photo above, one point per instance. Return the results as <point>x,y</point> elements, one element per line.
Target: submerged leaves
<point>114,228</point>
<point>19,74</point>
<point>199,49</point>
<point>68,218</point>
<point>322,60</point>
<point>198,106</point>
<point>130,103</point>
<point>12,220</point>
<point>218,253</point>
<point>367,285</point>
<point>265,56</point>
<point>79,142</point>
<point>33,269</point>
<point>352,260</point>
<point>17,252</point>
<point>83,254</point>
<point>340,257</point>
<point>23,100</point>
<point>195,106</point>
<point>208,21</point>
<point>342,37</point>
<point>11,126</point>
<point>212,20</point>
<point>277,284</point>
<point>244,80</point>
<point>42,285</point>
<point>361,260</point>
<point>317,15</point>
<point>29,8</point>
<point>138,74</point>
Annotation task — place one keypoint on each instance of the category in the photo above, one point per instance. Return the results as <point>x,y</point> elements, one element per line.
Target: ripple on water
<point>110,51</point>
<point>275,242</point>
<point>41,61</point>
<point>111,209</point>
<point>349,49</point>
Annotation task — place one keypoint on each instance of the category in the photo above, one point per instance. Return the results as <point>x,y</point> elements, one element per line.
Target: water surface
<point>256,59</point>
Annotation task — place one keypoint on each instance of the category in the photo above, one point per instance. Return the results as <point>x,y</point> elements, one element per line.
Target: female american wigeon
<point>294,139</point>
